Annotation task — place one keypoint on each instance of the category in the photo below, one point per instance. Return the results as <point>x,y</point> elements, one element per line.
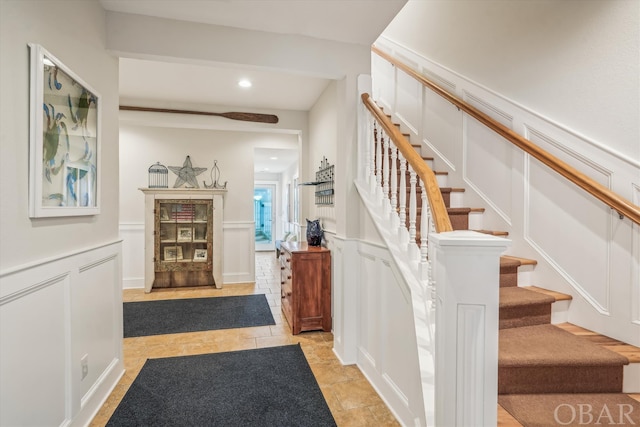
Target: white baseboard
<point>133,283</point>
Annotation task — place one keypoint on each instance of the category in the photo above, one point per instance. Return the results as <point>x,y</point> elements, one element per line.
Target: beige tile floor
<point>352,400</point>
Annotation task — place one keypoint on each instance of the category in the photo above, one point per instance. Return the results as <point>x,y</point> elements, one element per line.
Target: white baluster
<point>394,180</point>
<point>412,206</point>
<point>402,213</point>
<point>424,227</point>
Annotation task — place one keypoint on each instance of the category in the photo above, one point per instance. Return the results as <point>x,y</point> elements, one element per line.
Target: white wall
<point>60,279</point>
<point>39,22</point>
<point>156,141</point>
<point>575,61</point>
<point>323,142</point>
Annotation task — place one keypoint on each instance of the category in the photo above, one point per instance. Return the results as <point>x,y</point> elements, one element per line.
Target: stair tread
<point>459,211</point>
<point>493,232</point>
<point>629,351</point>
<point>523,261</point>
<point>548,345</point>
<point>559,296</point>
<point>518,296</point>
<point>452,190</point>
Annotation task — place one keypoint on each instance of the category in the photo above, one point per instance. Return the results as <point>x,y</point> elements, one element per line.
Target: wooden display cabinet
<point>183,238</point>
<point>306,286</point>
<point>183,243</point>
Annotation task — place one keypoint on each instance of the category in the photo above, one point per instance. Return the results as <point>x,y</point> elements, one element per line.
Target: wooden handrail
<point>439,213</point>
<point>597,190</point>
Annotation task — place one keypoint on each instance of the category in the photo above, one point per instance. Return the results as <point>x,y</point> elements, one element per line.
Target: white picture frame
<point>199,255</point>
<point>64,140</point>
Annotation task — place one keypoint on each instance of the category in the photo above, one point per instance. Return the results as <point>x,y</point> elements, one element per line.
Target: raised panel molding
<point>488,151</point>
<point>470,361</point>
<point>62,308</point>
<point>384,93</point>
<point>239,238</point>
<point>489,109</point>
<point>586,223</point>
<point>384,356</point>
<point>594,170</point>
<point>408,102</point>
<point>442,128</point>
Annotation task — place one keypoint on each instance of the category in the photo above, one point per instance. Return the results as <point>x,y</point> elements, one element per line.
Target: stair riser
<point>555,379</point>
<point>516,317</point>
<point>508,276</point>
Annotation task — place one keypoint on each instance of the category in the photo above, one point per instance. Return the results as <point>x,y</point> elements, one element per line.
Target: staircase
<point>547,374</point>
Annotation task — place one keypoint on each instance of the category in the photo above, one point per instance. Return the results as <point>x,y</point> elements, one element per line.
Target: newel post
<point>466,266</point>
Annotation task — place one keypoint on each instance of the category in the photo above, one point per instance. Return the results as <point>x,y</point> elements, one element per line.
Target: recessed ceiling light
<point>244,83</point>
<point>273,158</point>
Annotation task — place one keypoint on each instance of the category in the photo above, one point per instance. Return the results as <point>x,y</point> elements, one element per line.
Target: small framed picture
<point>173,253</point>
<point>185,234</point>
<point>200,255</point>
<point>164,214</point>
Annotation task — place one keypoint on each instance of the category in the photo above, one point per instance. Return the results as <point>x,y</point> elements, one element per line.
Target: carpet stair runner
<point>548,376</point>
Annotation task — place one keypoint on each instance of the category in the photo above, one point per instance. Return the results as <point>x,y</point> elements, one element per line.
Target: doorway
<point>264,197</point>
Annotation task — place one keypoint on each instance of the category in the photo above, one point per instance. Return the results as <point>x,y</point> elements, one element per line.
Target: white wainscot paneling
<point>34,344</point>
<point>369,310</point>
<point>408,102</point>
<point>95,316</point>
<point>384,90</point>
<point>442,129</point>
<point>52,313</point>
<point>398,316</point>
<point>239,252</point>
<point>580,222</point>
<point>387,348</point>
<point>132,236</point>
<point>488,161</point>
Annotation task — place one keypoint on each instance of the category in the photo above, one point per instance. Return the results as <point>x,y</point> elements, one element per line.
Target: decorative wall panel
<point>239,239</point>
<point>408,105</point>
<point>556,212</point>
<point>34,325</point>
<point>384,91</point>
<point>52,313</point>
<point>442,129</point>
<point>485,151</point>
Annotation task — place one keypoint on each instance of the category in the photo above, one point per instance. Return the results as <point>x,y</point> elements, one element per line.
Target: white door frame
<point>276,214</point>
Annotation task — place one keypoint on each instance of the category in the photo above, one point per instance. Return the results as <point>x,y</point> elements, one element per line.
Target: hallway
<point>352,400</point>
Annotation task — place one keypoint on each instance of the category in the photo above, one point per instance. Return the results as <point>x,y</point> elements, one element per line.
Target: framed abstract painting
<point>64,140</point>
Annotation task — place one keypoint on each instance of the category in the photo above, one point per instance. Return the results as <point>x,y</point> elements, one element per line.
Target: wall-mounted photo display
<point>64,140</point>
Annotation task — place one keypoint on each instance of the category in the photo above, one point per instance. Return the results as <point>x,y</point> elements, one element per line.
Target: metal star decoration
<point>186,173</point>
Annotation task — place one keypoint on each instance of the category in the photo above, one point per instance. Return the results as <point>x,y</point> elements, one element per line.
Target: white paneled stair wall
<point>582,247</point>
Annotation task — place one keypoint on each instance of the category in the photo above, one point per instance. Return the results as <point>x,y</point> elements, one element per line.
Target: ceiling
<point>348,21</point>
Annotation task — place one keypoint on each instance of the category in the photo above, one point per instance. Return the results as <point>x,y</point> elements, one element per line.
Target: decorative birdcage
<point>158,176</point>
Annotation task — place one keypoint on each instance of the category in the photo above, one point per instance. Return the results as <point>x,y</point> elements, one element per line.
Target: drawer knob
<point>288,277</point>
<point>288,259</point>
<point>281,268</point>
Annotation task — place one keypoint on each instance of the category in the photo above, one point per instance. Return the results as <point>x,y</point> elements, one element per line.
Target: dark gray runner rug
<point>264,387</point>
<point>195,314</point>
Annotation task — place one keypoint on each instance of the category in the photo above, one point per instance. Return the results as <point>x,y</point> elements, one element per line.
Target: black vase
<point>314,233</point>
